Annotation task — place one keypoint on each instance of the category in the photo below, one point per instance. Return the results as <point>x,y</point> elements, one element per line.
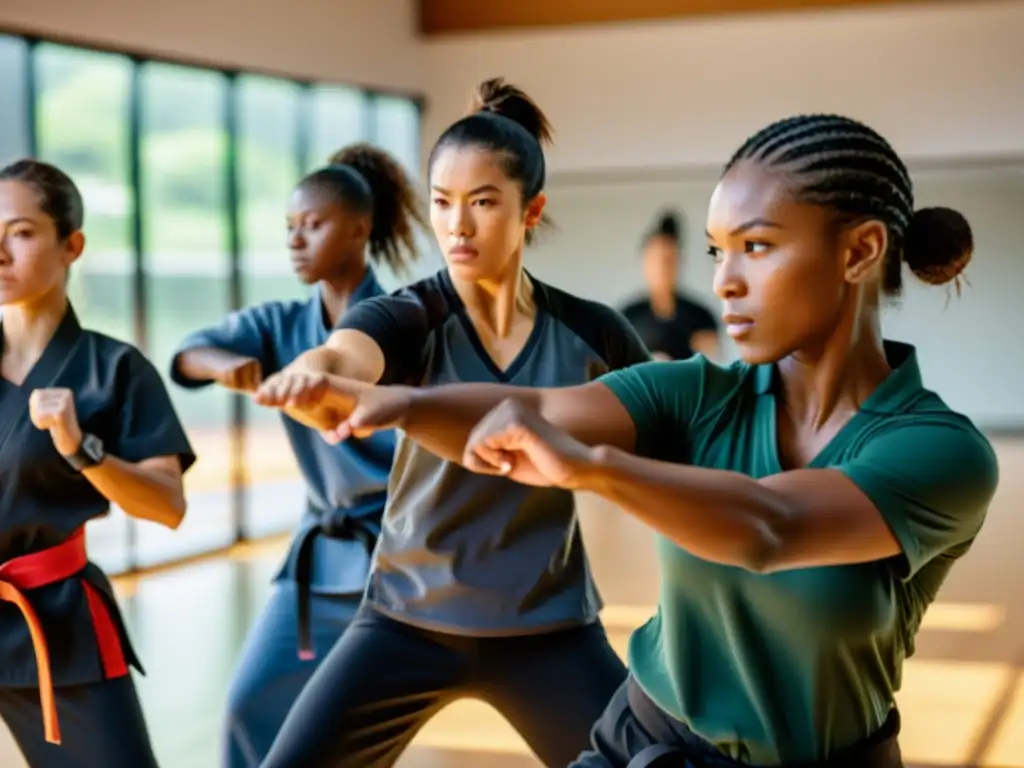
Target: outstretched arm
<point>441,418</point>
<point>915,491</point>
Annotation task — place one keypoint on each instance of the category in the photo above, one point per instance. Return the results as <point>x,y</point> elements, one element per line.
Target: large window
<point>186,175</point>
<point>268,168</point>
<point>338,116</point>
<point>187,266</point>
<point>15,127</point>
<point>397,127</point>
<point>96,153</point>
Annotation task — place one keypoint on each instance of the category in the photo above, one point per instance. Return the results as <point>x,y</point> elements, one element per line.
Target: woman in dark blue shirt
<point>360,205</point>
<point>85,422</point>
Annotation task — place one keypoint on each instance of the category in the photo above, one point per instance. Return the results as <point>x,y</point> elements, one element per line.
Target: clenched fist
<point>243,376</point>
<point>54,411</point>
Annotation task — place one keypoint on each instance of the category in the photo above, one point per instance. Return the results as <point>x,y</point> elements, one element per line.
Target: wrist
<point>594,469</point>
<point>415,404</point>
<point>69,444</point>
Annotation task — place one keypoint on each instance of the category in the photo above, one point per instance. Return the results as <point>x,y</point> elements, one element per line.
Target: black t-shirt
<point>473,554</point>
<point>670,336</point>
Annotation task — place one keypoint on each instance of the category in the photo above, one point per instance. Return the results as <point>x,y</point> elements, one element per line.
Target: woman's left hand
<point>54,411</point>
<point>516,442</point>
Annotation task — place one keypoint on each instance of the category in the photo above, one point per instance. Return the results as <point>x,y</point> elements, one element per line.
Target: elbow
<point>174,514</point>
<point>762,553</point>
<point>318,360</point>
<point>175,504</point>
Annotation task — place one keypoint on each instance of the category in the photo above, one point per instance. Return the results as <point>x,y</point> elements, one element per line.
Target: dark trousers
<point>270,674</point>
<point>385,679</point>
<point>634,732</point>
<point>101,726</point>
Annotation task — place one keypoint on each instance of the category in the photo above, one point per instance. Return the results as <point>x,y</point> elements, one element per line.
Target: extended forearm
<point>441,418</point>
<point>725,517</point>
<point>207,363</point>
<point>143,492</point>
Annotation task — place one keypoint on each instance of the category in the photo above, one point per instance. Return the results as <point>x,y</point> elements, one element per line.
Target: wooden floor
<point>962,698</point>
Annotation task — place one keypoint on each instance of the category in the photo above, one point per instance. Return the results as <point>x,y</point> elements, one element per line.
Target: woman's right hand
<point>339,408</point>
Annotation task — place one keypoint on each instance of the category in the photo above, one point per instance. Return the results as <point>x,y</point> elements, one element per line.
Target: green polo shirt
<point>795,665</point>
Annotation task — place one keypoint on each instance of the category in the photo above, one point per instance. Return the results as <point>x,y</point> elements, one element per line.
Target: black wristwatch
<point>89,454</point>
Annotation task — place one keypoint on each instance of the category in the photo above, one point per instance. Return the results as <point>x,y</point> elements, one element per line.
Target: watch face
<point>92,447</point>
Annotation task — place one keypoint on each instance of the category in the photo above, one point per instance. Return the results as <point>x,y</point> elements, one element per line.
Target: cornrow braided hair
<point>841,164</point>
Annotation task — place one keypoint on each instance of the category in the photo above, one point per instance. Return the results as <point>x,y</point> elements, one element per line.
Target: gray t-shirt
<point>474,554</point>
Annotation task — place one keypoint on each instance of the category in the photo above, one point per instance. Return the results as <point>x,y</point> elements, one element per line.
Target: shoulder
<point>271,314</point>
<point>693,311</point>
<point>418,307</point>
<point>636,308</point>
<point>119,362</point>
<point>575,310</point>
<point>430,296</point>
<point>679,397</point>
<point>601,328</point>
<point>933,441</point>
<point>711,384</point>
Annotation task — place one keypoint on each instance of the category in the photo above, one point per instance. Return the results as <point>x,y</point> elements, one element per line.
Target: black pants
<point>634,732</point>
<point>101,726</point>
<point>385,679</point>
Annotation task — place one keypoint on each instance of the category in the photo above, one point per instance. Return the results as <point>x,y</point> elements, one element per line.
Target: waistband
<point>678,746</point>
<point>40,569</point>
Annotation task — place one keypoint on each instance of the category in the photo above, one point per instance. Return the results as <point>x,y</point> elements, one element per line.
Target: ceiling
<point>440,17</point>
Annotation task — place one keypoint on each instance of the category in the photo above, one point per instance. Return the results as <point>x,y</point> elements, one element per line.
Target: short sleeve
<point>399,325</point>
<point>607,332</point>
<point>146,422</point>
<point>247,332</point>
<point>932,480</point>
<point>621,346</point>
<point>663,399</point>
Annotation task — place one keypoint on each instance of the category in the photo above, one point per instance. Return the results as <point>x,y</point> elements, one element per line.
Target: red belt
<point>49,567</point>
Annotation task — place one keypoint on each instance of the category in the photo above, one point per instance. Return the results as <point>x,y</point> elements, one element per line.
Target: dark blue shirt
<point>120,398</point>
<point>349,479</point>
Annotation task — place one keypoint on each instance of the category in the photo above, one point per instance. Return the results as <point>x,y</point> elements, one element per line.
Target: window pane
<point>268,170</point>
<point>187,265</point>
<point>339,117</point>
<point>14,127</point>
<point>82,123</point>
<point>397,123</point>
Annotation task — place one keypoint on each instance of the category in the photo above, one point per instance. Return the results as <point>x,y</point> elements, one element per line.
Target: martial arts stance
<point>360,205</point>
<point>85,421</point>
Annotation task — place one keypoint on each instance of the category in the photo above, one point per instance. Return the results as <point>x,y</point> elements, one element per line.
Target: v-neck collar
<point>900,387</point>
<point>521,358</point>
<point>54,356</point>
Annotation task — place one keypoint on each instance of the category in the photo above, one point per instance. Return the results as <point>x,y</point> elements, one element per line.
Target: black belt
<point>334,527</point>
<point>881,750</point>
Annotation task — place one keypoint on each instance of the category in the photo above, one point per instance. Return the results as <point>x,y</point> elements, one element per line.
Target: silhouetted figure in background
<point>672,326</point>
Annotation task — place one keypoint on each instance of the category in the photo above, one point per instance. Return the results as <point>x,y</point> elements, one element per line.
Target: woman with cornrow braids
<point>809,499</point>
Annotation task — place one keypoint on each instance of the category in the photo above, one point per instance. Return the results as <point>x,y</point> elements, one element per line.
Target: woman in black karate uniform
<point>85,421</point>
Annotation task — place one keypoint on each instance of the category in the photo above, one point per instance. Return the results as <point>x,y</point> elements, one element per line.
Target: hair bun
<point>509,101</point>
<point>938,245</point>
<point>668,226</point>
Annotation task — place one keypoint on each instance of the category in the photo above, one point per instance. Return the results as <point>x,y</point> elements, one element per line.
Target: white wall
<point>935,80</point>
<point>943,81</point>
<point>354,41</point>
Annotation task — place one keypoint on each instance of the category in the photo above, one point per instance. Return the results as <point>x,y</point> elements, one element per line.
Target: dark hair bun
<point>501,98</point>
<point>668,226</point>
<point>938,245</point>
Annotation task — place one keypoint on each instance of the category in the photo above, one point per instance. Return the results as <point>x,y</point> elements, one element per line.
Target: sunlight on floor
<point>945,703</point>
